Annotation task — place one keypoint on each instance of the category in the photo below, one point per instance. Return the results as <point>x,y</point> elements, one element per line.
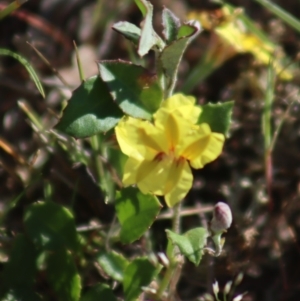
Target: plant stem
<point>173,271</point>
<point>79,65</point>
<point>165,281</point>
<point>10,8</point>
<point>33,116</point>
<point>267,131</point>
<point>186,212</point>
<point>176,218</point>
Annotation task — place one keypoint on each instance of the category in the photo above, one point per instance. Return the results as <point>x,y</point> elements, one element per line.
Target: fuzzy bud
<point>238,279</point>
<point>208,297</point>
<point>163,259</point>
<point>216,288</point>
<point>227,287</point>
<point>222,218</point>
<point>239,297</point>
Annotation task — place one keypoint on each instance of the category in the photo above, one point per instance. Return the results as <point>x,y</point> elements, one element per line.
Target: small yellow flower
<point>233,32</point>
<point>161,153</point>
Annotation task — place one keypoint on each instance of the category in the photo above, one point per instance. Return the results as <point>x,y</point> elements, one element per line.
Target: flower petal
<point>176,129</point>
<point>152,176</point>
<point>170,178</point>
<point>179,182</point>
<point>130,171</point>
<point>192,135</point>
<point>139,139</point>
<point>203,146</point>
<point>182,105</point>
<point>170,126</point>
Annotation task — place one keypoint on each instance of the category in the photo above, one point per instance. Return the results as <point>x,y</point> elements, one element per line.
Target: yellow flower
<point>234,33</point>
<point>161,153</point>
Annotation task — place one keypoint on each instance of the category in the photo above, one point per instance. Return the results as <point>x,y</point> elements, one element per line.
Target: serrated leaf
<point>171,56</point>
<point>136,212</point>
<point>99,292</point>
<point>62,275</point>
<point>28,67</point>
<point>135,90</point>
<point>19,272</point>
<point>113,264</point>
<point>140,272</point>
<point>129,31</point>
<point>218,116</point>
<point>191,243</point>
<point>90,110</point>
<point>51,226</point>
<point>149,37</point>
<point>171,25</point>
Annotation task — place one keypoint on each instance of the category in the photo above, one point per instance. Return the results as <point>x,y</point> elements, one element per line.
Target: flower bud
<point>239,297</point>
<point>238,279</point>
<point>208,297</point>
<point>222,218</point>
<point>227,287</point>
<point>163,259</point>
<point>216,288</point>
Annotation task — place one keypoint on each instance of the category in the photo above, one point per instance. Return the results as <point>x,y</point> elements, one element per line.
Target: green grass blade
<point>281,13</point>
<point>80,69</point>
<point>269,97</point>
<point>202,70</point>
<point>281,121</point>
<point>28,67</point>
<point>10,8</point>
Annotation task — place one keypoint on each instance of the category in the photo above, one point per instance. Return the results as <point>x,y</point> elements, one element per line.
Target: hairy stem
<point>173,271</point>
<point>176,218</point>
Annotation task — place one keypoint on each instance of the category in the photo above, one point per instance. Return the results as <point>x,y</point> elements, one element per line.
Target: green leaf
<point>90,110</point>
<point>19,272</point>
<point>191,30</point>
<point>28,67</point>
<point>142,5</point>
<point>99,292</point>
<point>140,272</point>
<point>149,37</point>
<point>171,25</point>
<point>191,243</point>
<point>218,116</point>
<point>113,264</point>
<point>171,56</point>
<point>129,31</point>
<point>51,226</point>
<point>135,90</point>
<point>63,276</point>
<point>281,13</point>
<point>136,212</point>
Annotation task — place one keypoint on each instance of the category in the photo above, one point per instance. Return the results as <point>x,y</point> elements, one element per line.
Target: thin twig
<point>85,228</point>
<point>54,70</point>
<point>187,212</point>
<point>43,25</point>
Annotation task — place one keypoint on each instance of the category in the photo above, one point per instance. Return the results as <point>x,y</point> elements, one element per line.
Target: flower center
<point>161,156</point>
